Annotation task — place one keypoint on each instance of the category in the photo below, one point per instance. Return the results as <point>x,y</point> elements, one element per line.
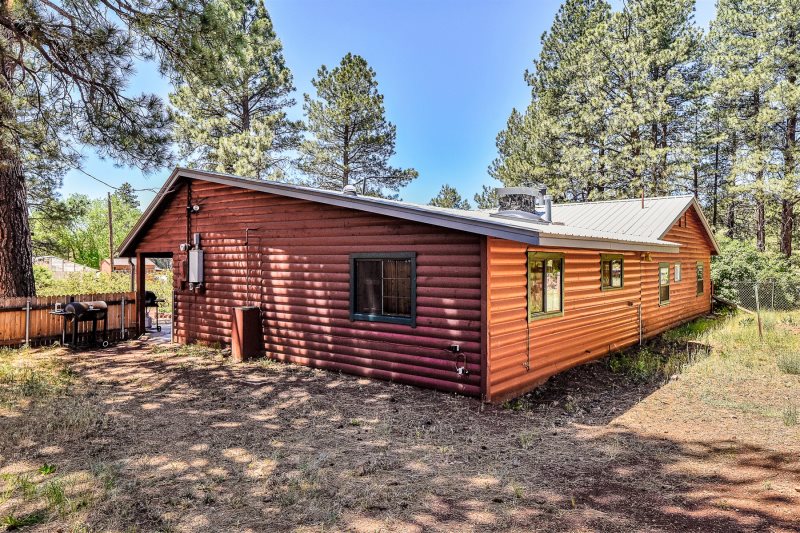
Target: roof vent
<point>350,190</point>
<point>520,203</point>
<point>521,198</point>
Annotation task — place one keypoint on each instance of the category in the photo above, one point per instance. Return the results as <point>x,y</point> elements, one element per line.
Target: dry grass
<point>143,438</point>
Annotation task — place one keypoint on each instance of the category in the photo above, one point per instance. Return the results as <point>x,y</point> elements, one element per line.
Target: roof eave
<point>489,228</point>
<point>607,244</point>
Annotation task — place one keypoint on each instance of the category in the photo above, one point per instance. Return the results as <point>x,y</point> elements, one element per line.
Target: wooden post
<point>140,271</point>
<point>110,236</point>
<point>122,318</point>
<point>28,322</point>
<point>758,315</point>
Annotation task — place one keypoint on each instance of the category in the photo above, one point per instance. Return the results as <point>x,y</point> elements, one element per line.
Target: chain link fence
<point>766,295</point>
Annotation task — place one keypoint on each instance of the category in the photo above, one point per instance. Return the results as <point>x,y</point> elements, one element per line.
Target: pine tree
<point>559,140</point>
<point>63,71</point>
<point>649,48</point>
<point>487,198</point>
<point>784,97</point>
<point>517,160</point>
<point>127,195</point>
<point>352,140</point>
<point>448,197</point>
<point>742,77</point>
<point>232,119</point>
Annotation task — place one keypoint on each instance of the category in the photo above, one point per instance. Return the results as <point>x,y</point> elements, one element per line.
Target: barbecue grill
<point>151,301</point>
<point>76,312</point>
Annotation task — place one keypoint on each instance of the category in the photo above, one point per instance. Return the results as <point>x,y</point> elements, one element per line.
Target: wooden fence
<point>21,321</point>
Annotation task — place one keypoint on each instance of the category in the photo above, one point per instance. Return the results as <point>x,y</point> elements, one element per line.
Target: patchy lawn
<point>168,438</point>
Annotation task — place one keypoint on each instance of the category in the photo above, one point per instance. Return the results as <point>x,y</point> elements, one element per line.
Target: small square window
<point>383,287</point>
<point>678,273</point>
<point>611,271</point>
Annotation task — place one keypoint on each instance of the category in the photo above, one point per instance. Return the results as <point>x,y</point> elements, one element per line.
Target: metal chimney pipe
<point>548,208</point>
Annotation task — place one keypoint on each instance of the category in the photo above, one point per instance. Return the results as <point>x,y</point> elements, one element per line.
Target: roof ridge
<point>619,200</point>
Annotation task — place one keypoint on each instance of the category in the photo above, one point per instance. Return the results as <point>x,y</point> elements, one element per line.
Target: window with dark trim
<point>663,283</point>
<point>700,277</point>
<point>545,285</point>
<point>383,287</point>
<point>611,271</point>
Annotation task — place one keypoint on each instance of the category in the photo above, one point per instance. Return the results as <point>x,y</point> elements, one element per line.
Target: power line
<point>150,189</point>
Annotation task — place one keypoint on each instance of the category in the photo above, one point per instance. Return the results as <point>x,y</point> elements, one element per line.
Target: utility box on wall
<point>196,267</point>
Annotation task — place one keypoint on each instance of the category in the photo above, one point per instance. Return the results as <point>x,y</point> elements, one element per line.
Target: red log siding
<point>595,322</point>
<point>298,265</point>
<point>685,303</point>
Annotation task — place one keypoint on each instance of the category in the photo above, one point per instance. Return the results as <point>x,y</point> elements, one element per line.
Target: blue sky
<point>450,71</point>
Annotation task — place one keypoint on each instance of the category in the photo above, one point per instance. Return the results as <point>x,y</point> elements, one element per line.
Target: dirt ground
<point>181,440</point>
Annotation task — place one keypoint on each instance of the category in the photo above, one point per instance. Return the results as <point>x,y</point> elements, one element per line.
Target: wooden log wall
<point>293,263</point>
<point>523,354</point>
<point>684,302</point>
<point>46,328</point>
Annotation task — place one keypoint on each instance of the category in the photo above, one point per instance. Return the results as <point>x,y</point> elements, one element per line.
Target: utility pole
<point>110,236</point>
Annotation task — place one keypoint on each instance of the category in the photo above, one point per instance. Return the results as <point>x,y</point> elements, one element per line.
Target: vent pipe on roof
<point>350,190</point>
<point>548,208</point>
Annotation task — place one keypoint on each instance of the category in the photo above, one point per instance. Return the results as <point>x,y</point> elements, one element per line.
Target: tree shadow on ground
<point>195,443</point>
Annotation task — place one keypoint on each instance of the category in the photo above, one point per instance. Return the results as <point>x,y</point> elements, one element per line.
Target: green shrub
<point>640,365</point>
<point>789,362</point>
<point>790,416</point>
<point>741,261</point>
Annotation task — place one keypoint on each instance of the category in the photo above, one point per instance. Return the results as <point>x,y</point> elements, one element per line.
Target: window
<point>383,287</point>
<point>678,273</point>
<point>700,279</point>
<point>663,283</point>
<point>611,271</point>
<point>545,284</point>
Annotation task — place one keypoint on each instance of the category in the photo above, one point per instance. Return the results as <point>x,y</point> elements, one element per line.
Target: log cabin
<point>484,303</point>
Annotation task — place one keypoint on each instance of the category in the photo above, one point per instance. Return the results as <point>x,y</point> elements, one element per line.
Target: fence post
<point>758,314</point>
<point>28,322</point>
<point>122,319</point>
<point>773,294</point>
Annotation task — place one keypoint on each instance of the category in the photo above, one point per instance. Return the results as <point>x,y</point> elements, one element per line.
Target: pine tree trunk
<point>761,220</point>
<point>787,227</point>
<point>16,252</point>
<point>16,257</point>
<point>730,221</point>
<point>715,199</point>
<point>787,203</point>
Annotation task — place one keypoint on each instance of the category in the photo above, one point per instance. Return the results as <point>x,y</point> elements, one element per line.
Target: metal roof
<point>607,225</point>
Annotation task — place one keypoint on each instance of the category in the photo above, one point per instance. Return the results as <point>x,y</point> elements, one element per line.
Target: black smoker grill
<point>83,312</point>
<point>150,301</point>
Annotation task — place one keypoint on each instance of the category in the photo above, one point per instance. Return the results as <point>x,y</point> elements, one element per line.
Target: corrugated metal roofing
<point>616,224</point>
<point>626,217</point>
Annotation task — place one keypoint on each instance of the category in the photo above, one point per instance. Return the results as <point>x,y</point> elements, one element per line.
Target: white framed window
<point>678,273</point>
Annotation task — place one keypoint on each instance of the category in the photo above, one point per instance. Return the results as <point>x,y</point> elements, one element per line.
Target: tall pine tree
<point>232,118</point>
<point>449,197</point>
<point>559,140</point>
<point>352,140</point>
<point>739,48</point>
<point>63,73</point>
